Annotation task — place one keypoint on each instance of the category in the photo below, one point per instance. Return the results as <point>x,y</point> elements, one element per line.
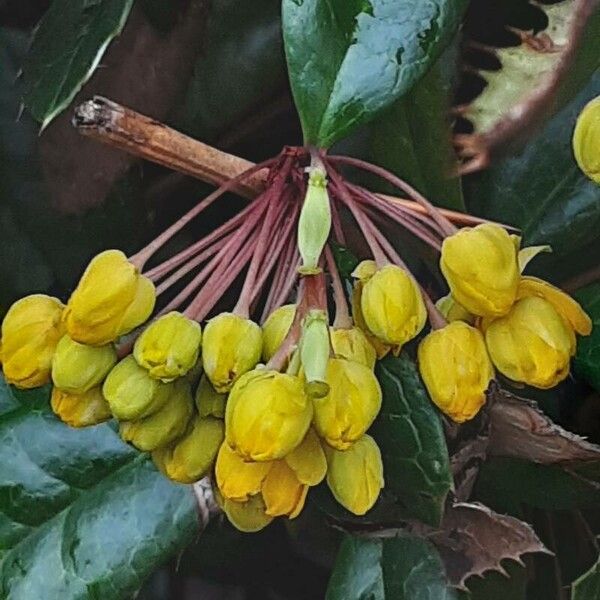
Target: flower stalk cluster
<point>274,392</point>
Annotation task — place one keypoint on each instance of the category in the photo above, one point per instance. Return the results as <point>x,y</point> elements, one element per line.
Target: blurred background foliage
<point>216,71</point>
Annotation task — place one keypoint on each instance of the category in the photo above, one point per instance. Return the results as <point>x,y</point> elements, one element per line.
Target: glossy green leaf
<point>587,359</point>
<point>541,190</point>
<point>67,47</point>
<point>241,67</point>
<point>587,587</point>
<point>413,139</point>
<point>345,260</point>
<point>410,435</point>
<point>82,515</point>
<point>401,568</point>
<point>350,59</point>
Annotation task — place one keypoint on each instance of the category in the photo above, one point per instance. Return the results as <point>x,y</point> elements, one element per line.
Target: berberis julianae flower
<point>267,415</point>
<point>30,332</point>
<point>586,140</point>
<point>111,299</point>
<point>169,347</point>
<point>481,267</point>
<point>456,369</point>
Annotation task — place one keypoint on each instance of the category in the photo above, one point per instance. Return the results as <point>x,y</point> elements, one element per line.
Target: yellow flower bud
<point>314,222</point>
<point>30,331</point>
<point>355,476</point>
<point>352,404</point>
<point>140,309</point>
<point>307,460</point>
<point>267,415</point>
<point>456,369</point>
<point>381,349</point>
<point>352,344</point>
<point>532,344</point>
<point>132,393</point>
<point>77,368</point>
<point>453,311</point>
<point>247,516</point>
<point>586,140</point>
<point>392,306</point>
<point>282,492</point>
<point>169,347</point>
<point>80,410</point>
<point>481,267</point>
<point>275,328</point>
<point>232,346</point>
<point>110,299</point>
<point>192,456</point>
<point>238,479</point>
<point>165,425</point>
<point>567,307</point>
<point>209,402</point>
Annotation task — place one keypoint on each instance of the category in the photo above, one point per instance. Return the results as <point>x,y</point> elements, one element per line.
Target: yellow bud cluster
<point>522,326</point>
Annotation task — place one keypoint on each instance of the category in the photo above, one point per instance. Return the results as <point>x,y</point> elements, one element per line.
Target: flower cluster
<point>272,397</point>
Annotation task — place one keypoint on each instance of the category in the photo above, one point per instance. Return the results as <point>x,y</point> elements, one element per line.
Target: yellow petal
<point>566,306</point>
<point>529,253</point>
<point>282,492</point>
<point>308,460</point>
<point>247,516</point>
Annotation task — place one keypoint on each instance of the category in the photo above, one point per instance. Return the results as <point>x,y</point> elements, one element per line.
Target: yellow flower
<point>30,331</point>
<point>209,402</point>
<point>163,426</point>
<point>307,460</point>
<point>267,415</point>
<point>481,267</point>
<point>586,140</point>
<point>239,479</point>
<point>232,346</point>
<point>80,410</point>
<point>352,344</point>
<point>568,308</point>
<point>453,311</point>
<point>191,457</point>
<point>77,368</point>
<point>111,299</point>
<point>169,347</point>
<point>355,476</point>
<point>282,492</point>
<point>532,344</point>
<point>275,328</point>
<point>456,369</point>
<point>381,349</point>
<point>352,404</point>
<point>132,393</point>
<point>392,306</point>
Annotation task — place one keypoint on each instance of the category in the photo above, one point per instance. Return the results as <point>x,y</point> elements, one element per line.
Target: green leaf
<point>345,260</point>
<point>67,47</point>
<point>240,69</point>
<point>506,484</point>
<point>587,587</point>
<point>350,59</point>
<point>413,140</point>
<point>82,515</point>
<point>587,359</point>
<point>410,435</point>
<point>403,568</point>
<point>541,190</point>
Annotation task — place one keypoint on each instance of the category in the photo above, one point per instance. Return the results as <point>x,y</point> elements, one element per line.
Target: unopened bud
<point>209,402</point>
<point>80,410</point>
<point>275,328</point>
<point>314,223</point>
<point>314,352</point>
<point>586,140</point>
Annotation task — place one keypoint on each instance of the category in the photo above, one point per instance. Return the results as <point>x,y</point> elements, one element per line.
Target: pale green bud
<point>314,352</point>
<point>209,402</point>
<point>77,368</point>
<point>314,223</point>
<point>132,393</point>
<point>165,425</point>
